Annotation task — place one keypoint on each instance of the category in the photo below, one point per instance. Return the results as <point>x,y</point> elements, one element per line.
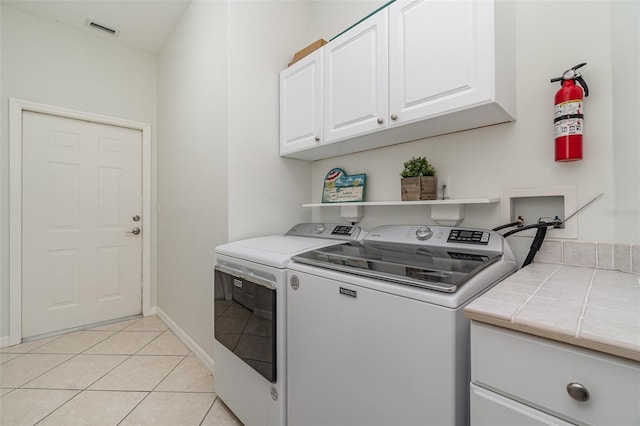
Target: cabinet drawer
<point>536,371</point>
<point>490,409</point>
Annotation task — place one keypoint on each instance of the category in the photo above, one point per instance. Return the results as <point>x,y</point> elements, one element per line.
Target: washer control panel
<point>468,236</point>
<point>441,237</point>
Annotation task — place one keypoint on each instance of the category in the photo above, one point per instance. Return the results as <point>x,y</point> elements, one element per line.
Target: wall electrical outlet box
<point>443,187</point>
<point>534,204</point>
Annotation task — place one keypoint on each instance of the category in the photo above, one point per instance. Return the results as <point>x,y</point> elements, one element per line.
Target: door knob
<point>134,231</point>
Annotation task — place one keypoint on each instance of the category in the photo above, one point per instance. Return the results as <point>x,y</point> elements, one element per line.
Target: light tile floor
<point>134,372</point>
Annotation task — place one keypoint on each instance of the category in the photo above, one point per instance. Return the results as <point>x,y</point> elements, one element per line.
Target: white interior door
<point>81,193</point>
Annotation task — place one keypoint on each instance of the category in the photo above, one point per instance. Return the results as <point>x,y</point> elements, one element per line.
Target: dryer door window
<point>245,320</point>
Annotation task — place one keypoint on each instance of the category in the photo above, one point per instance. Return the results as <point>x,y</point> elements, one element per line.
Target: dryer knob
<point>423,233</point>
<point>320,228</point>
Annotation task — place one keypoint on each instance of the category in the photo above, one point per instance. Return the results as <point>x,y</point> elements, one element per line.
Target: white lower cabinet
<point>519,378</point>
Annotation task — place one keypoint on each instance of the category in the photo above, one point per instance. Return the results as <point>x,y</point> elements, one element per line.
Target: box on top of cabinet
<point>307,50</point>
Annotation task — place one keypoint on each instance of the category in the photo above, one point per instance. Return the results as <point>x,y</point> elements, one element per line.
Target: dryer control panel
<point>338,231</point>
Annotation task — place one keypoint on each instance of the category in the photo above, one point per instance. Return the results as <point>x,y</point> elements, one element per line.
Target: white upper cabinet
<point>416,69</point>
<point>440,58</point>
<point>355,80</point>
<point>301,104</point>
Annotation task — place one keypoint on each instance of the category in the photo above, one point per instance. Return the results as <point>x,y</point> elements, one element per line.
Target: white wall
<point>192,166</point>
<point>625,25</point>
<point>45,62</point>
<point>266,192</point>
<point>330,18</point>
<point>483,162</point>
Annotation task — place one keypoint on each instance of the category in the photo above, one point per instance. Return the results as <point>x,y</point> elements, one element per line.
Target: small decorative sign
<point>340,188</point>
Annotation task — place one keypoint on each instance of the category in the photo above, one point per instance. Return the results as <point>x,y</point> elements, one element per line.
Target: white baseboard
<point>4,341</point>
<point>153,310</point>
<point>193,346</point>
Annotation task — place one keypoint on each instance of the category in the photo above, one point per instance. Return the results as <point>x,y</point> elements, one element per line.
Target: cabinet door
<point>440,57</point>
<point>490,409</point>
<point>355,80</point>
<point>301,104</point>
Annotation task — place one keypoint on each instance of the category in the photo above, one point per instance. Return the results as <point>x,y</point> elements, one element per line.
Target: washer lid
<point>437,258</point>
<point>427,268</point>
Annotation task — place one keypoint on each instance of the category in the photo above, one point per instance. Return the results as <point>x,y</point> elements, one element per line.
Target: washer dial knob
<point>320,228</point>
<point>424,233</point>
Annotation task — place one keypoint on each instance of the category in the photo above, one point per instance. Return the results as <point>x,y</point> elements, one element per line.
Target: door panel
<point>440,51</point>
<point>356,80</point>
<point>81,188</point>
<point>301,104</point>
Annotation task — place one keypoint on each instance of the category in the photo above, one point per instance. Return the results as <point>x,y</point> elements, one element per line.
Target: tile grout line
<point>167,375</point>
<point>158,384</point>
<point>86,389</point>
<point>80,391</point>
<point>584,304</point>
<point>133,409</point>
<point>209,410</point>
<point>45,372</point>
<point>75,355</point>
<point>515,314</point>
<point>60,406</point>
<point>125,358</point>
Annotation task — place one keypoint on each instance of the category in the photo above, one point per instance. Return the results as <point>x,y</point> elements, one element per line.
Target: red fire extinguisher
<point>569,115</point>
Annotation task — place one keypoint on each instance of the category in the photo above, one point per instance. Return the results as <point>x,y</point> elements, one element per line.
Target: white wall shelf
<point>445,212</point>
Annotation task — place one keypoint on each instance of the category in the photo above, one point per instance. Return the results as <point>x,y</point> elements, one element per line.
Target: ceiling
<point>141,24</point>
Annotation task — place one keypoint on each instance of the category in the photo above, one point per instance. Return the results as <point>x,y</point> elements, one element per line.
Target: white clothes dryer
<point>250,316</point>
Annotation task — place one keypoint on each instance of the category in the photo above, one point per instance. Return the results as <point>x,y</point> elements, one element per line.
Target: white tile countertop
<point>597,309</point>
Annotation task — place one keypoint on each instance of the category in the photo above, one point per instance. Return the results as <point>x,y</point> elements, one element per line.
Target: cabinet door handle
<point>317,139</point>
<point>394,117</point>
<point>578,392</point>
<point>380,120</point>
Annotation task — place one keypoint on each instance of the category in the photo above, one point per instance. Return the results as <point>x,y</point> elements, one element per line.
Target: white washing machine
<point>376,330</point>
<point>250,318</point>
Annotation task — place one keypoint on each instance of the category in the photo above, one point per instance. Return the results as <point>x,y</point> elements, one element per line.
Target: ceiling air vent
<point>103,28</point>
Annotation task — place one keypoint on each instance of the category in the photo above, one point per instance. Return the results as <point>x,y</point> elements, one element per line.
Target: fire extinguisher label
<point>568,118</point>
<point>571,126</point>
<point>568,108</point>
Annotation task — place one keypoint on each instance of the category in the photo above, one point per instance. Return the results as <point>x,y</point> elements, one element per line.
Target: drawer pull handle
<point>578,392</point>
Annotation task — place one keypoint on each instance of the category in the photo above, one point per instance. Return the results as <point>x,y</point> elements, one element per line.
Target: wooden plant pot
<point>418,188</point>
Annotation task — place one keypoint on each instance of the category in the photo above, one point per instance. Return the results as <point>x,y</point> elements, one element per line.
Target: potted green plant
<point>418,180</point>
